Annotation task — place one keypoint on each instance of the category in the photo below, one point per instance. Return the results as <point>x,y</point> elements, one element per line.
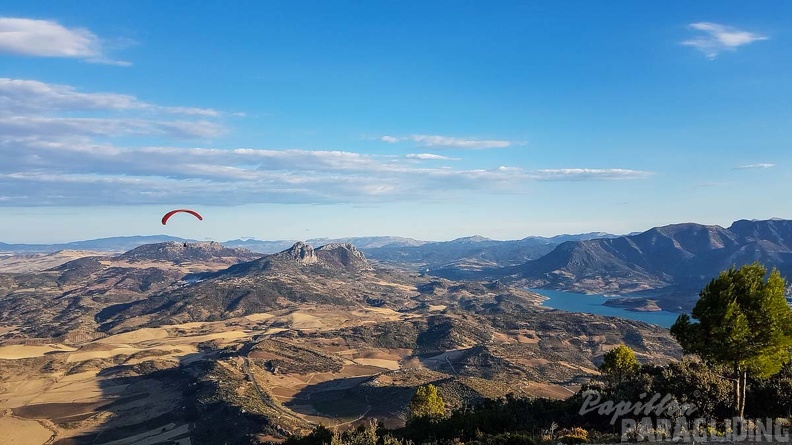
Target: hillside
<point>64,299</point>
<point>146,342</point>
<point>673,262</point>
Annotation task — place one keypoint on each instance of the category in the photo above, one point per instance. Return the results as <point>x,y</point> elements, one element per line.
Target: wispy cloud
<point>390,139</point>
<point>26,96</point>
<point>46,38</point>
<point>719,38</point>
<point>39,173</point>
<point>430,157</point>
<point>30,109</point>
<point>751,166</point>
<point>426,140</point>
<point>582,174</point>
<point>53,127</point>
<point>53,154</point>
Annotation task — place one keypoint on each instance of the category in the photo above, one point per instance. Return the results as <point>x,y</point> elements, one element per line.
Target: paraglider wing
<point>172,212</point>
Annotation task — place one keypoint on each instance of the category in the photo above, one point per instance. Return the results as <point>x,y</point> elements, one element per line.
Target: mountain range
<point>669,264</point>
<point>121,244</point>
<point>181,340</point>
<point>666,265</point>
<point>472,251</point>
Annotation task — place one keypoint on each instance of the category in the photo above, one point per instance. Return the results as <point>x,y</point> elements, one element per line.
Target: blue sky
<point>432,120</point>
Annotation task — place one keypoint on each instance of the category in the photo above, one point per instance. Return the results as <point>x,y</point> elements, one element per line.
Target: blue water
<point>592,304</point>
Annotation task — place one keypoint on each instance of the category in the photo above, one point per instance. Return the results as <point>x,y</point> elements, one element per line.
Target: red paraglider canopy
<point>169,214</point>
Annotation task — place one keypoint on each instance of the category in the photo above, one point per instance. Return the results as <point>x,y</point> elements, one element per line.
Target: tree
<point>427,402</point>
<point>743,322</point>
<point>699,383</point>
<point>619,364</point>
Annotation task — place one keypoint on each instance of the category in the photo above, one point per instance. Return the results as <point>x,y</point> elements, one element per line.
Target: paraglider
<point>172,212</point>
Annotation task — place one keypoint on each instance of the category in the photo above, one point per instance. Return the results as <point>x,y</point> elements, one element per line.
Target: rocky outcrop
<point>180,252</point>
<point>343,255</point>
<point>299,252</point>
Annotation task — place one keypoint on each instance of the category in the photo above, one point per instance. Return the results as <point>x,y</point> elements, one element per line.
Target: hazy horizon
<point>182,227</point>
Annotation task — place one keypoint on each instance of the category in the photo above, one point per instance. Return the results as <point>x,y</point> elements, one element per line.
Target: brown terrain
<point>191,344</point>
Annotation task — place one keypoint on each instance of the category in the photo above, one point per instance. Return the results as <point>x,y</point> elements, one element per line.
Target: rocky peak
<point>342,254</point>
<point>335,246</point>
<point>300,252</point>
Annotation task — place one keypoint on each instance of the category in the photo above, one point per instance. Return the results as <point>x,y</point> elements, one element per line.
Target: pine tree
<point>743,322</point>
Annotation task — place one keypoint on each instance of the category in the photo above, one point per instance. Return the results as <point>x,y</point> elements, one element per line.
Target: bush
<point>571,436</point>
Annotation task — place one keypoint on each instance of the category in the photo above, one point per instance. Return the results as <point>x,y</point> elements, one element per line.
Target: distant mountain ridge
<point>122,244</point>
<point>469,253</point>
<point>113,244</point>
<point>675,260</point>
<point>475,252</point>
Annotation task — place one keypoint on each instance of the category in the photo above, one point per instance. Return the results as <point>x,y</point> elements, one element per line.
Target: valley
<point>100,346</point>
<point>144,343</point>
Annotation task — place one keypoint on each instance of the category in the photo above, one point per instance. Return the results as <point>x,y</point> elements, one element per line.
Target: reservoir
<point>593,304</point>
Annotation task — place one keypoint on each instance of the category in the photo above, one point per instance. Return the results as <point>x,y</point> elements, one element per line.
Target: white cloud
<point>426,140</point>
<point>752,166</point>
<point>64,173</point>
<point>53,154</point>
<point>57,127</point>
<point>33,110</point>
<point>719,38</point>
<point>577,174</point>
<point>46,38</point>
<point>192,111</point>
<point>430,157</point>
<point>25,96</point>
